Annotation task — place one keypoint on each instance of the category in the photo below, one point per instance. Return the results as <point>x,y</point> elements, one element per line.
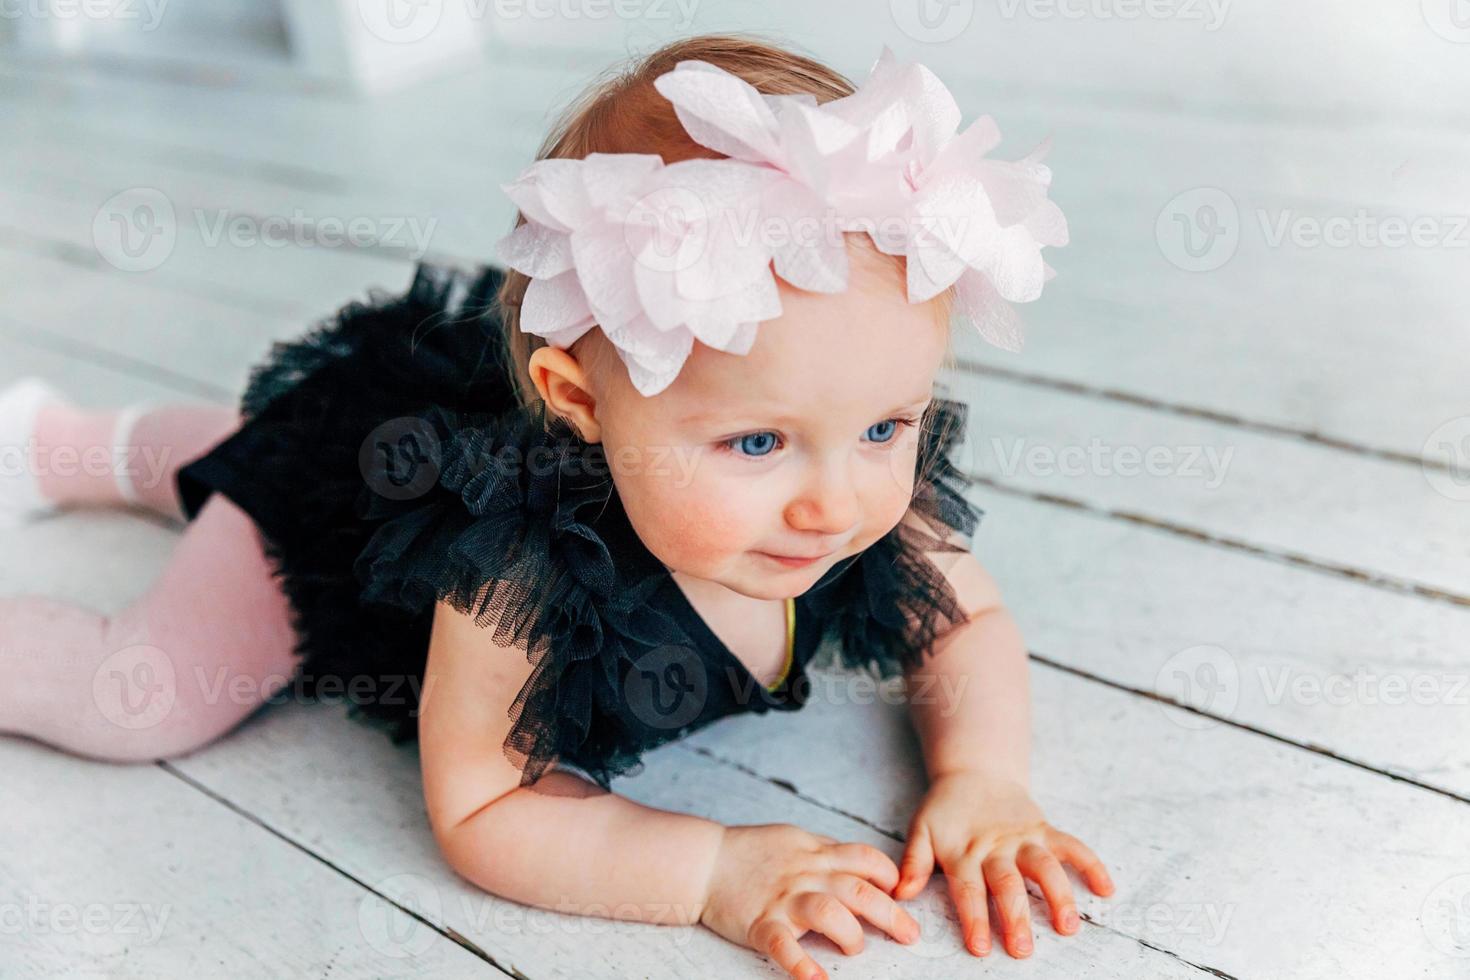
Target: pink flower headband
<point>659,256</point>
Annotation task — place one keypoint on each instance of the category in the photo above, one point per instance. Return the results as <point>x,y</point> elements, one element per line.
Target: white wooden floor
<point>1249,663</point>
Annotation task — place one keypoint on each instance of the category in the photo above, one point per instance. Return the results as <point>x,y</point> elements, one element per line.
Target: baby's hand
<point>773,882</point>
<point>986,830</point>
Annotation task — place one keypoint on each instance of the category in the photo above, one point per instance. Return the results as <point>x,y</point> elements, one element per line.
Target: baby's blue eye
<point>756,444</point>
<point>887,428</point>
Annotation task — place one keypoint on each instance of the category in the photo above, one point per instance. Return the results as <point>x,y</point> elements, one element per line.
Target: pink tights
<point>188,661</point>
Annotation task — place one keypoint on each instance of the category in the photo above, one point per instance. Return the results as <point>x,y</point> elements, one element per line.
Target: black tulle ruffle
<point>513,534</point>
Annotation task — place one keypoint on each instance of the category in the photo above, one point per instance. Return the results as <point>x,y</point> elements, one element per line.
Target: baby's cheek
<point>692,528</point>
<point>889,502</point>
<point>704,528</point>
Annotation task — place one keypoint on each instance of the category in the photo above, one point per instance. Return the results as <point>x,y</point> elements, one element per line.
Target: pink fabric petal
<point>813,254</point>
<point>964,153</point>
<point>721,111</point>
<point>612,180</point>
<point>717,323</point>
<point>956,212</point>
<point>936,115</point>
<point>995,320</point>
<point>1016,188</point>
<point>535,250</point>
<point>567,336</point>
<point>1016,271</point>
<point>743,339</point>
<point>1047,224</point>
<point>551,192</point>
<point>603,268</point>
<point>653,357</point>
<point>554,304</point>
<point>930,271</point>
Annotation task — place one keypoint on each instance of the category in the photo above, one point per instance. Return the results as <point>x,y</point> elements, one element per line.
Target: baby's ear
<point>563,385</point>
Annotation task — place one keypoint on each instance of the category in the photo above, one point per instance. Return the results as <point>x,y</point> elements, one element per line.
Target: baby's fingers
<point>864,861</point>
<point>1080,856</point>
<point>1009,889</point>
<point>824,913</point>
<point>877,907</point>
<point>967,891</point>
<point>918,864</point>
<point>1039,864</point>
<point>775,938</point>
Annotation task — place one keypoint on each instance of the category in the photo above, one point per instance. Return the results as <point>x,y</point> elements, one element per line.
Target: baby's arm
<point>565,844</point>
<point>971,698</point>
<point>970,702</point>
<point>561,843</point>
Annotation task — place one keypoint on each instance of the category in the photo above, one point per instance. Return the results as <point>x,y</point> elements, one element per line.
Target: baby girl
<point>547,518</point>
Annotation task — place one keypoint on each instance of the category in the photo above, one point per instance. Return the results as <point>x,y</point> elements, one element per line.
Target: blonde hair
<point>622,112</point>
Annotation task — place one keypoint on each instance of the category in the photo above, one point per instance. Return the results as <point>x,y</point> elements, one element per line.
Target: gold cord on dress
<point>790,645</point>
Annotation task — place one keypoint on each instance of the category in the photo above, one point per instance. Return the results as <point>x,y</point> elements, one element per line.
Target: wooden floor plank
<point>110,870</point>
<point>1363,516</point>
<point>1370,675</point>
<point>135,321</point>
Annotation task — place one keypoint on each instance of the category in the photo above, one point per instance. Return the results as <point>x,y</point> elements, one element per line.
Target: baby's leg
<point>124,456</point>
<point>183,665</point>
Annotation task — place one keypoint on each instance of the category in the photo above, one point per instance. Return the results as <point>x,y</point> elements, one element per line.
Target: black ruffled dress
<point>387,464</point>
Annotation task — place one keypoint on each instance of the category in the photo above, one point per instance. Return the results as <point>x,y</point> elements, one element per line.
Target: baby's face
<point>803,448</point>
